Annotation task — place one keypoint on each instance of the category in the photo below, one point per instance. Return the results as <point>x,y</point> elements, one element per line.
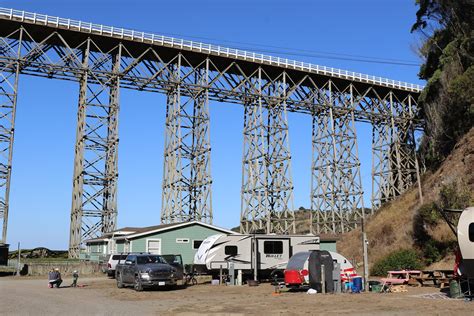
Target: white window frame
<point>182,240</point>
<point>112,248</point>
<point>153,239</point>
<point>201,240</point>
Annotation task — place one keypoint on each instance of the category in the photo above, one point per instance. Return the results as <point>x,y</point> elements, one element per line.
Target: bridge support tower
<point>336,189</point>
<point>94,198</point>
<point>9,75</point>
<point>267,186</point>
<point>394,159</point>
<point>187,162</point>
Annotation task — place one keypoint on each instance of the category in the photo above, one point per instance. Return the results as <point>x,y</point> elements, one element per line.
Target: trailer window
<point>197,244</point>
<point>230,250</point>
<point>273,247</point>
<point>471,232</point>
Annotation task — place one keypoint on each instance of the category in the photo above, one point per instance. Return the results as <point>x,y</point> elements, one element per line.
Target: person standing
<point>75,276</point>
<point>50,278</point>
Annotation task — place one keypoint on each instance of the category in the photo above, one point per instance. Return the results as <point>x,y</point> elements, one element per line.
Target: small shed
<point>328,242</point>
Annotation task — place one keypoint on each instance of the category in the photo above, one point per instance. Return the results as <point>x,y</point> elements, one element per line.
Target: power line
<point>386,62</point>
<point>306,53</point>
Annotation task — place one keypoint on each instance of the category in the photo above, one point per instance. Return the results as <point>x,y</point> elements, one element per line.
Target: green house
<point>179,238</point>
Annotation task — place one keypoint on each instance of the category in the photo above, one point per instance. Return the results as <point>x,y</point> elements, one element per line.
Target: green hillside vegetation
<point>405,225</point>
<point>403,233</point>
<point>447,101</point>
<point>39,253</point>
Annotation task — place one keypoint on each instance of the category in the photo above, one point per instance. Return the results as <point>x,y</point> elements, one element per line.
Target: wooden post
<point>18,263</point>
<point>365,254</point>
<point>220,275</point>
<point>323,279</point>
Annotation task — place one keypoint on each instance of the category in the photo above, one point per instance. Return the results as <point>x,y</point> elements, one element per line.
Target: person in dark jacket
<point>54,278</point>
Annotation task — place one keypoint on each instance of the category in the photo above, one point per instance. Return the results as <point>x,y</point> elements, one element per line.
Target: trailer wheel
<point>138,284</point>
<point>119,281</point>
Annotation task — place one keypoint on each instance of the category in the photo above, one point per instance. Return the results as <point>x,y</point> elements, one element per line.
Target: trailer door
<point>272,252</point>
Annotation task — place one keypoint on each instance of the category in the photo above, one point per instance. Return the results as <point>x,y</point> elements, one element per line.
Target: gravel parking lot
<point>100,296</point>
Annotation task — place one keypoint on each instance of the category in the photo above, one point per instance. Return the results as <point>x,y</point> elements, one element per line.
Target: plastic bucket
<point>376,288</point>
<point>454,289</point>
<point>356,284</point>
<point>348,286</point>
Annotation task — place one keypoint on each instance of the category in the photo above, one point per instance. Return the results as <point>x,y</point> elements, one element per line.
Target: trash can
<point>356,284</point>
<point>376,288</point>
<point>454,289</point>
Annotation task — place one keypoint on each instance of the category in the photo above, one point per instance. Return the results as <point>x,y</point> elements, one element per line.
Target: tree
<point>447,102</point>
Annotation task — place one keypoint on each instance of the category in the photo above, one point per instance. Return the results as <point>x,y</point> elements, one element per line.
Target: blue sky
<point>46,116</point>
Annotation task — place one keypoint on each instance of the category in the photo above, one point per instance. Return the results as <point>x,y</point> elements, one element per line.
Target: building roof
<point>164,227</point>
<point>328,237</point>
<point>98,239</point>
<point>117,232</point>
<point>134,232</point>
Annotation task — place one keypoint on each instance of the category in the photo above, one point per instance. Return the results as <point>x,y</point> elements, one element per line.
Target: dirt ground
<point>100,296</point>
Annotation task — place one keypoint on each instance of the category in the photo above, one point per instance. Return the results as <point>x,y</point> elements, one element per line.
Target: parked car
<point>177,262</point>
<point>145,271</point>
<point>112,263</point>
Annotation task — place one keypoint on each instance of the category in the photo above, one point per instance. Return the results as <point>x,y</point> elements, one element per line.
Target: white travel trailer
<point>465,232</point>
<point>253,254</point>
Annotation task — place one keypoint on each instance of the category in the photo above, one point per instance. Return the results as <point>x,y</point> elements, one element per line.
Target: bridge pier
<point>94,198</point>
<point>267,185</point>
<point>186,194</point>
<point>394,160</point>
<point>9,75</point>
<point>336,189</point>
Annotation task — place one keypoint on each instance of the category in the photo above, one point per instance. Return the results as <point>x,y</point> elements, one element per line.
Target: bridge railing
<point>201,47</point>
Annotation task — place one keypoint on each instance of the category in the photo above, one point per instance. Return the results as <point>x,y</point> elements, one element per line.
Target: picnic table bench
<point>434,278</point>
<point>398,278</point>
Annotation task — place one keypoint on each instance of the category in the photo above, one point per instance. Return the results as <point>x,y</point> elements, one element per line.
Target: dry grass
<point>391,228</point>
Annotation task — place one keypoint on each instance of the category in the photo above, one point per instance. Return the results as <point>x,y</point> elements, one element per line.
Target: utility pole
<point>365,243</point>
<point>18,263</point>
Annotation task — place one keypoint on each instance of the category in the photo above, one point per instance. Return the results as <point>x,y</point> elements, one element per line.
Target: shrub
<point>397,260</point>
<point>431,252</point>
<point>429,213</point>
<point>455,195</point>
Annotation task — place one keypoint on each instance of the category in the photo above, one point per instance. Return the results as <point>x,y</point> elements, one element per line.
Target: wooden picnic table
<point>404,274</point>
<point>438,278</point>
<point>400,277</point>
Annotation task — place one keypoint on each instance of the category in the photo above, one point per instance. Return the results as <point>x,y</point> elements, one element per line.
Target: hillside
<point>39,252</point>
<point>401,224</point>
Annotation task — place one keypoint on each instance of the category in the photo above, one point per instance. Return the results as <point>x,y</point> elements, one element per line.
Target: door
<point>128,274</point>
<point>154,246</point>
<point>272,253</point>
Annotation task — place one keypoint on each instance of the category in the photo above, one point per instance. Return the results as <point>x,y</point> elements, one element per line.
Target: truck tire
<point>138,284</point>
<point>119,281</point>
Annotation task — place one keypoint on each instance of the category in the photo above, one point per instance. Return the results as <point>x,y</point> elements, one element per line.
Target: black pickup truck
<point>146,271</point>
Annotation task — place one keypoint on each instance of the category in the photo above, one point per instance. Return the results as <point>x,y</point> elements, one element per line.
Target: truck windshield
<point>150,259</point>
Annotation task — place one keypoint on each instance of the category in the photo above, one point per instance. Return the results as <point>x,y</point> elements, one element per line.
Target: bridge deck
<point>110,36</point>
